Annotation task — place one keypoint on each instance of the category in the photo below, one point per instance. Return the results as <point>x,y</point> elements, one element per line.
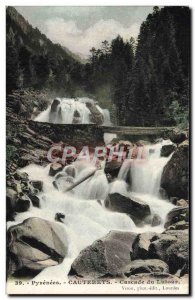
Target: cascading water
<point>86,219</point>
<point>145,177</point>
<point>74,111</point>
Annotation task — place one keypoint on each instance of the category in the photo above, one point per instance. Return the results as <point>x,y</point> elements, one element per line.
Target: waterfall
<point>86,218</point>
<point>74,111</point>
<point>145,173</point>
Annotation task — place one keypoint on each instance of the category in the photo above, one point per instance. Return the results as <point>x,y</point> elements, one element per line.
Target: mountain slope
<point>33,60</point>
<point>32,37</point>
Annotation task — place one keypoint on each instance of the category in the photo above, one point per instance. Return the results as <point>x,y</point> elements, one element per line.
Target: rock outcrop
<point>106,257</point>
<point>172,247</point>
<point>175,177</point>
<point>137,209</point>
<point>96,116</point>
<point>34,245</point>
<point>177,216</point>
<point>146,266</point>
<point>166,150</point>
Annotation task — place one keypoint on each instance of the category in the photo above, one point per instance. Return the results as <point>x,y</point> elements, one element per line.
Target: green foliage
<point>138,82</point>
<point>34,61</point>
<point>179,114</point>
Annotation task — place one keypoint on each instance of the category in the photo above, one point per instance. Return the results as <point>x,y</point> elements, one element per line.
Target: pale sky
<point>80,28</point>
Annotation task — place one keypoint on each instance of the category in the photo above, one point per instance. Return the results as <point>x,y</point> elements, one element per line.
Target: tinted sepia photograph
<point>98,104</point>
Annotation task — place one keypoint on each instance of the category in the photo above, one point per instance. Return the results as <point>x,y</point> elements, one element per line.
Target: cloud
<point>81,41</point>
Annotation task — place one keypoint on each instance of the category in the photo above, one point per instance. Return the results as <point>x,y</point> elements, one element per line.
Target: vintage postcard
<point>97,153</point>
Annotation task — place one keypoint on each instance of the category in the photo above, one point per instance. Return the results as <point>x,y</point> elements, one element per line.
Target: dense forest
<point>143,82</point>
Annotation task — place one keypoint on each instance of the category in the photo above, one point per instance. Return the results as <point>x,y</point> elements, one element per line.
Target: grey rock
<point>141,245</point>
<point>136,208</point>
<point>59,217</point>
<point>55,168</point>
<point>172,247</point>
<point>177,214</point>
<point>175,176</point>
<point>37,184</point>
<point>146,266</point>
<point>106,257</point>
<point>34,245</point>
<point>34,199</point>
<point>113,168</point>
<point>156,220</point>
<point>166,150</point>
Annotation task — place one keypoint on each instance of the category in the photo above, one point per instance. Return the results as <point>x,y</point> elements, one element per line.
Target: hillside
<point>37,62</point>
<point>32,38</point>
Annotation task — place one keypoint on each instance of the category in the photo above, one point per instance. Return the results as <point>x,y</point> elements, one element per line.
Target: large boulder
<point>175,177</point>
<point>146,266</point>
<point>136,208</point>
<point>34,245</point>
<point>96,116</point>
<point>172,246</point>
<point>106,257</point>
<point>22,203</point>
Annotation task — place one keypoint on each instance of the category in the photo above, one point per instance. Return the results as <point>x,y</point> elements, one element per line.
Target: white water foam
<point>66,112</point>
<point>86,220</point>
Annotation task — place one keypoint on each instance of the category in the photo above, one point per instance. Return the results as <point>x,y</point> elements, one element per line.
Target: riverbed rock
<point>146,266</point>
<point>141,245</point>
<point>34,245</point>
<point>59,217</point>
<point>22,203</point>
<point>55,168</point>
<point>179,225</point>
<point>177,214</point>
<point>175,176</point>
<point>156,220</point>
<point>37,184</point>
<point>113,168</point>
<point>136,208</point>
<point>34,199</point>
<point>172,246</point>
<point>106,257</point>
<point>166,150</point>
<point>96,116</point>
